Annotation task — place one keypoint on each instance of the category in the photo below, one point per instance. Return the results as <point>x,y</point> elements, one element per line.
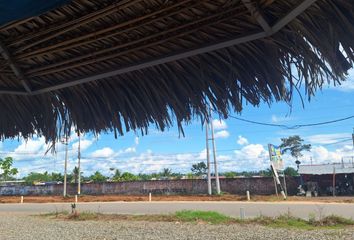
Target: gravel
<point>30,227</point>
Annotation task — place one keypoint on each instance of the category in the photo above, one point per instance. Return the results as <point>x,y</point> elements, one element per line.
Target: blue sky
<point>240,145</point>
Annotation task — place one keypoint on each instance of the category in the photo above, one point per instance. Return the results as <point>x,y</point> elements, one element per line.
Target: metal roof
<point>321,169</point>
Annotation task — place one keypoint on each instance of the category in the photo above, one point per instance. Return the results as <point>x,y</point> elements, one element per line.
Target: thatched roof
<point>120,65</point>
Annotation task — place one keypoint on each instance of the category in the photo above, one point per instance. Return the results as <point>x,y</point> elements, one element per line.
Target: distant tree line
<point>294,145</point>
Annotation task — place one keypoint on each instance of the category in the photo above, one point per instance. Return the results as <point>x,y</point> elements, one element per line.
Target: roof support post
<point>16,70</point>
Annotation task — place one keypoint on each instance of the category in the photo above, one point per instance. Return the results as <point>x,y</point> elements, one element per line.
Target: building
<point>323,178</point>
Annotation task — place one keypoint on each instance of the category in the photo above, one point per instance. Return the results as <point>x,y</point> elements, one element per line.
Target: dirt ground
<point>130,198</point>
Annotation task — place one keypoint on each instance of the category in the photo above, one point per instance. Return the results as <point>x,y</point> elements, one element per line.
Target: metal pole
<point>214,154</point>
<point>79,167</point>
<point>65,165</point>
<point>208,156</point>
<point>334,181</point>
<point>353,146</point>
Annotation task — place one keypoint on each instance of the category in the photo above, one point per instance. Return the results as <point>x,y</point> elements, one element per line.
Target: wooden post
<point>285,188</point>
<point>275,186</point>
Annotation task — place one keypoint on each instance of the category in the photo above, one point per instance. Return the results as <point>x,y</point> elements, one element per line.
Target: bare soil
<point>135,198</point>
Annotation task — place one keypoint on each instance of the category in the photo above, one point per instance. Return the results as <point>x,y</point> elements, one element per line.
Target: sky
<point>240,145</point>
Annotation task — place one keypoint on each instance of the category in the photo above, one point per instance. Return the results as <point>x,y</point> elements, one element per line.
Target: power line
<point>294,126</point>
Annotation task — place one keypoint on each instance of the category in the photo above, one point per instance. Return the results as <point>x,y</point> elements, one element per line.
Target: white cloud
<point>136,140</point>
<point>103,153</point>
<point>222,134</point>
<point>279,119</point>
<point>327,138</point>
<point>84,144</point>
<point>242,140</point>
<point>130,150</point>
<point>252,157</point>
<point>219,124</point>
<point>31,146</point>
<point>348,84</point>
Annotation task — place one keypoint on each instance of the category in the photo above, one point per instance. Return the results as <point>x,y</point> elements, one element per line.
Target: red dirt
<point>130,198</point>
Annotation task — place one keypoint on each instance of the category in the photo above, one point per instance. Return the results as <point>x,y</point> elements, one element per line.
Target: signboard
<point>275,157</point>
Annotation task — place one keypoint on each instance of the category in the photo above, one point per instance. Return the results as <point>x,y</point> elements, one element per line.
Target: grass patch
<point>210,217</point>
<point>198,216</point>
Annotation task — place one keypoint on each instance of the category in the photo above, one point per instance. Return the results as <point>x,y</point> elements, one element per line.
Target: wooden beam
<point>257,15</point>
<point>16,70</point>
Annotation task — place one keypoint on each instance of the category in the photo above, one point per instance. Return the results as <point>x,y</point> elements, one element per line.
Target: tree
<point>7,169</point>
<point>266,173</point>
<point>116,175</point>
<point>230,174</point>
<point>76,174</point>
<point>57,177</point>
<point>289,171</point>
<point>294,145</point>
<point>199,168</point>
<point>127,176</point>
<point>37,177</point>
<point>98,177</point>
<point>166,172</point>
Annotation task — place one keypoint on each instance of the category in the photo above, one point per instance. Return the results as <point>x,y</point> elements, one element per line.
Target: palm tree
<point>166,172</point>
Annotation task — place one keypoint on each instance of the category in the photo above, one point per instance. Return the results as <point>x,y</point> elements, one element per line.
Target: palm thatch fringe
<point>314,49</point>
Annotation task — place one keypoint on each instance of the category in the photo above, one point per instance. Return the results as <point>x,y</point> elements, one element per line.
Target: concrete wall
<point>259,186</point>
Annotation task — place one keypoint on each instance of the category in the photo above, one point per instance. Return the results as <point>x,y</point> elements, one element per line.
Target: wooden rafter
<point>250,37</point>
<point>101,34</point>
<point>257,15</point>
<point>16,70</point>
<point>77,61</point>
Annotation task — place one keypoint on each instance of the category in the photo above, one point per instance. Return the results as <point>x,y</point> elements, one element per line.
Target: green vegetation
<point>294,145</point>
<point>199,168</point>
<point>98,177</point>
<point>289,171</point>
<point>197,216</point>
<point>210,217</point>
<point>7,170</point>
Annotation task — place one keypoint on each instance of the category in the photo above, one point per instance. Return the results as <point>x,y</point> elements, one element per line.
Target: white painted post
<point>21,199</point>
<point>248,195</point>
<point>75,198</point>
<point>150,197</point>
<point>242,213</point>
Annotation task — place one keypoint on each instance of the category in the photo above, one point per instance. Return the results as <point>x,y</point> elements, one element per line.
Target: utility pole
<point>65,164</point>
<point>214,154</point>
<point>79,168</point>
<point>353,148</point>
<point>208,156</point>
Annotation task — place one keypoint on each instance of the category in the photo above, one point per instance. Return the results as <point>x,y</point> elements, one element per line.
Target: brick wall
<point>258,186</point>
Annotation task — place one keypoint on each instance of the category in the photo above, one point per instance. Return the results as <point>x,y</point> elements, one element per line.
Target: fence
<point>256,185</point>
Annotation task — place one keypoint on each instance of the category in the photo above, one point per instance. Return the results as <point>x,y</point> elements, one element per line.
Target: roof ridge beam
<point>257,15</point>
<point>16,70</point>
